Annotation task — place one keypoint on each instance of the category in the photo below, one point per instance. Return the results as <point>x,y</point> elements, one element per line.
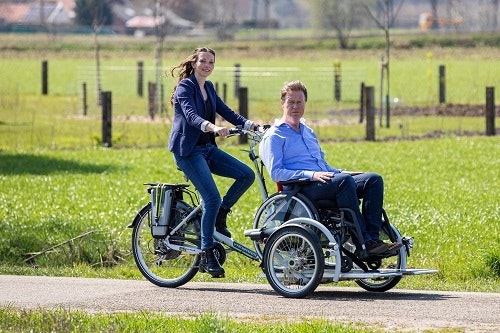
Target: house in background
<point>38,15</point>
<point>59,16</point>
<point>131,20</point>
<point>148,25</point>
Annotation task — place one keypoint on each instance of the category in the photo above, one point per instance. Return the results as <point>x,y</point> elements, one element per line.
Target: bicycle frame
<point>230,243</point>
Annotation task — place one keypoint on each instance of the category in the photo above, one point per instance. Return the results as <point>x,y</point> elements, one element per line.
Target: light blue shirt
<point>288,154</point>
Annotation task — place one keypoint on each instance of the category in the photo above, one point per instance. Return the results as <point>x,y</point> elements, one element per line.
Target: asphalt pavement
<point>403,310</point>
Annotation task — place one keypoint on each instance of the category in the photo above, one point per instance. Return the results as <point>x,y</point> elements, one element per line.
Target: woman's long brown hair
<point>186,67</point>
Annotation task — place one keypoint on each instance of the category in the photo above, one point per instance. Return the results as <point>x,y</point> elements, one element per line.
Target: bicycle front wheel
<point>161,265</point>
<point>293,261</point>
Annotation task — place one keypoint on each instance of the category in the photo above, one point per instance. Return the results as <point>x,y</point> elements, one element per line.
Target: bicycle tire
<point>388,233</point>
<point>163,266</point>
<point>293,261</point>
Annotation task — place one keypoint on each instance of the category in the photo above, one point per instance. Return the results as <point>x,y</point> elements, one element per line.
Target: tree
<point>338,15</point>
<point>385,19</point>
<point>494,23</point>
<point>93,13</point>
<point>96,14</point>
<point>435,20</point>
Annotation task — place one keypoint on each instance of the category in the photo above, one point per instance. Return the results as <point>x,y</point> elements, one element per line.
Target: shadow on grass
<point>21,164</point>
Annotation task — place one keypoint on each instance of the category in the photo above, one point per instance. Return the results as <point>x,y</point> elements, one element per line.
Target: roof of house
<point>173,19</point>
<point>12,13</point>
<point>55,12</point>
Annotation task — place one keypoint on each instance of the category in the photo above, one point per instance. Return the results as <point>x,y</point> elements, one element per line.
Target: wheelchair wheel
<point>293,261</point>
<point>161,265</point>
<point>277,209</point>
<point>388,233</point>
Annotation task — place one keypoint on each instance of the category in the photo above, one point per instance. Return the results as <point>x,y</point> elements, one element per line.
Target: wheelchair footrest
<point>259,234</point>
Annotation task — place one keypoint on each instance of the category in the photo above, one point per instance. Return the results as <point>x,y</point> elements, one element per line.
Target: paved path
<point>406,310</point>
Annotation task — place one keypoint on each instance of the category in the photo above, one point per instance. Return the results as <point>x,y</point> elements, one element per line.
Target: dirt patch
<point>458,110</point>
<point>449,110</point>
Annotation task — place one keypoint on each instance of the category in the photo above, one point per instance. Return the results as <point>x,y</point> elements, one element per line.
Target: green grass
<point>78,321</point>
<point>442,192</point>
<point>56,121</point>
<point>58,183</point>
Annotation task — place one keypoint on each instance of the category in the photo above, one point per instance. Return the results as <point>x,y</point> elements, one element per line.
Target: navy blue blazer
<point>189,111</point>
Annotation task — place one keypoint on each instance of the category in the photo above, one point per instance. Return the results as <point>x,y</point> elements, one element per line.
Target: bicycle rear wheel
<point>388,233</point>
<point>161,265</point>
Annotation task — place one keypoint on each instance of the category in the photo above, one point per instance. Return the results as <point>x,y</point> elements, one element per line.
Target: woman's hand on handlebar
<point>221,131</point>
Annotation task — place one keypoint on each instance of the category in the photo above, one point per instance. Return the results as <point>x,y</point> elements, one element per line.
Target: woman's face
<point>204,66</point>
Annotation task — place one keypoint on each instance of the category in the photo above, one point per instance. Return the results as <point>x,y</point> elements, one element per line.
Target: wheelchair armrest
<point>352,173</point>
<point>292,182</point>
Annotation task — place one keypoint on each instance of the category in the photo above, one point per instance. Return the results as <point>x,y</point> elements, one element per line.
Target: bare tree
<point>162,25</point>
<point>494,23</point>
<point>385,20</point>
<point>95,13</point>
<point>435,20</point>
<point>342,21</point>
<point>338,15</point>
<point>255,10</point>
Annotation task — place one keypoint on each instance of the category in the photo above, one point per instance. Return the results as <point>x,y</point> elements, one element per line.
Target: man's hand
<point>322,176</point>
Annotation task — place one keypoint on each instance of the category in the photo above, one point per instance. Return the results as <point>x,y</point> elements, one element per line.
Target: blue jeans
<point>346,190</point>
<point>198,167</point>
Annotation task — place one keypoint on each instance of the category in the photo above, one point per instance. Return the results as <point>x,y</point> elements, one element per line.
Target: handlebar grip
<point>236,130</point>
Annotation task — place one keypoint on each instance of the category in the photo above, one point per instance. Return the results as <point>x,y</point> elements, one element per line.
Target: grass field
<point>57,182</point>
<point>442,192</point>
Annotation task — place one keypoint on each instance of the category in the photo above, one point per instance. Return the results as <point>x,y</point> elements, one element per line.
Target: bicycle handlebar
<point>238,130</point>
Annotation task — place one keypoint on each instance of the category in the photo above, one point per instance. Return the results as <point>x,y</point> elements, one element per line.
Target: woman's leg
<point>225,165</point>
<point>196,168</point>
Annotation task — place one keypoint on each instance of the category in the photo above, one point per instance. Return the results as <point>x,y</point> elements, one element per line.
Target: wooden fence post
<point>442,84</point>
<point>243,108</point>
<point>106,118</point>
<point>85,105</point>
<point>362,102</point>
<point>140,78</point>
<point>490,111</point>
<point>151,99</point>
<point>370,113</point>
<point>237,75</point>
<point>337,81</point>
<point>45,80</point>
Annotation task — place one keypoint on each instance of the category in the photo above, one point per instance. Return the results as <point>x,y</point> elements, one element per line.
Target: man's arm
<point>271,152</point>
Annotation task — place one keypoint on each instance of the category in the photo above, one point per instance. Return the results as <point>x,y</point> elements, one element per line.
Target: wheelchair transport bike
<point>299,244</point>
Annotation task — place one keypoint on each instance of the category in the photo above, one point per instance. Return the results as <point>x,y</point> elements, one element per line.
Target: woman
<point>192,141</point>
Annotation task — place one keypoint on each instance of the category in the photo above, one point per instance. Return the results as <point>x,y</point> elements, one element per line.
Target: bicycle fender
<point>139,215</point>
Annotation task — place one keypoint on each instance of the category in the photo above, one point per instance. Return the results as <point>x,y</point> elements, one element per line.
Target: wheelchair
<point>303,244</point>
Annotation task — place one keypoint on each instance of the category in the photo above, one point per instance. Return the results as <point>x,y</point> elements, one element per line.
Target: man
<point>290,150</point>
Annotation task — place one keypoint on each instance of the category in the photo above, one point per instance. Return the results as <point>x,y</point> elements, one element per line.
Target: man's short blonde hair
<point>293,86</point>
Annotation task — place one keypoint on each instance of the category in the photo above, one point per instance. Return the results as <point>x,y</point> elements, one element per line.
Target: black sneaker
<point>376,247</point>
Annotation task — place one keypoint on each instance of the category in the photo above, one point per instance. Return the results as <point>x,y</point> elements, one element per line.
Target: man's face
<point>294,105</point>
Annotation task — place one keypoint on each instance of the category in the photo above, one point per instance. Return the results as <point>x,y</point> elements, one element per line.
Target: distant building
<point>59,15</point>
<point>40,13</point>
